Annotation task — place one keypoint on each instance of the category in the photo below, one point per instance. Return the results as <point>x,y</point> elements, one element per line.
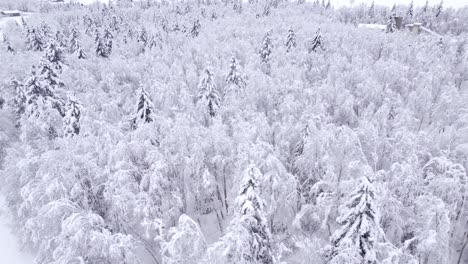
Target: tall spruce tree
<point>209,95</point>
<point>425,7</point>
<point>371,12</point>
<point>7,44</point>
<point>74,43</point>
<point>34,40</point>
<point>104,44</point>
<point>195,30</point>
<point>354,242</point>
<point>391,25</point>
<point>144,109</point>
<point>439,8</point>
<point>393,10</point>
<point>72,117</point>
<point>75,46</point>
<point>248,238</point>
<point>410,12</point>
<point>40,104</point>
<point>266,48</point>
<point>235,75</point>
<point>290,40</point>
<point>316,42</point>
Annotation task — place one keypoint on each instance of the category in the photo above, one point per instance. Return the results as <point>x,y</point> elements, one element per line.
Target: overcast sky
<point>452,3</point>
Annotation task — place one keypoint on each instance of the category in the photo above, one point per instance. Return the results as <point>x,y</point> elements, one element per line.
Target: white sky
<point>447,3</point>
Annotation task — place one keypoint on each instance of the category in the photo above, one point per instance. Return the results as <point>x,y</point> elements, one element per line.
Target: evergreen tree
<point>108,40</point>
<point>72,117</point>
<point>23,22</point>
<point>371,12</point>
<point>7,44</point>
<point>267,9</point>
<point>439,8</point>
<point>393,10</point>
<point>142,36</point>
<point>299,149</point>
<point>290,40</point>
<point>103,44</point>
<point>45,30</point>
<point>328,5</point>
<point>391,25</point>
<point>248,239</point>
<point>410,11</point>
<point>34,40</point>
<point>266,48</point>
<point>195,30</point>
<point>75,46</point>
<point>316,42</point>
<point>354,242</point>
<point>425,7</point>
<point>235,75</point>
<point>60,39</point>
<point>209,95</point>
<point>36,88</point>
<point>19,99</point>
<point>54,55</point>
<point>74,42</point>
<point>144,109</point>
<point>40,104</point>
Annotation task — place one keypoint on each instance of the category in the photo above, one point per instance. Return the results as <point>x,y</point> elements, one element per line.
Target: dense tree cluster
<point>235,132</point>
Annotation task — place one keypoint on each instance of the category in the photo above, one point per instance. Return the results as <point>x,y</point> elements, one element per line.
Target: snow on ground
<point>10,252</point>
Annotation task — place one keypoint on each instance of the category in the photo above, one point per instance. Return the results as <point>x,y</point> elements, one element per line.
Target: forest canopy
<point>235,132</point>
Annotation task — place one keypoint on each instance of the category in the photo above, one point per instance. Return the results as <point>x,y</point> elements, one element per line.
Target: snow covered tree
<point>54,55</point>
<point>316,42</point>
<point>425,7</point>
<point>410,11</point>
<point>195,30</point>
<point>45,30</point>
<point>60,39</point>
<point>354,242</point>
<point>290,40</point>
<point>371,12</point>
<point>72,117</point>
<point>142,36</point>
<point>7,44</point>
<point>84,238</point>
<point>266,8</point>
<point>439,8</point>
<point>74,40</point>
<point>208,96</point>
<point>391,25</point>
<point>19,98</point>
<point>205,196</point>
<point>393,10</point>
<point>266,48</point>
<point>104,44</point>
<point>145,109</point>
<point>248,238</point>
<point>235,76</point>
<point>34,40</point>
<point>299,149</point>
<point>448,181</point>
<point>186,243</point>
<point>41,107</point>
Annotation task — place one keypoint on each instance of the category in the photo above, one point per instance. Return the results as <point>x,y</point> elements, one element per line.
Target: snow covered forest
<point>246,132</point>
